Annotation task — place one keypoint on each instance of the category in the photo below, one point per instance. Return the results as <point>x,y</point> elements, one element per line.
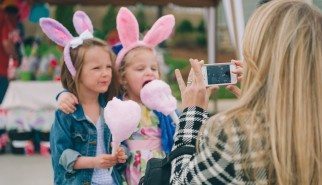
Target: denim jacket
<point>71,136</point>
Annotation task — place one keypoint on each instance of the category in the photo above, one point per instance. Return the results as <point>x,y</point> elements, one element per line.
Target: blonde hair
<point>77,56</point>
<point>125,63</point>
<point>281,95</point>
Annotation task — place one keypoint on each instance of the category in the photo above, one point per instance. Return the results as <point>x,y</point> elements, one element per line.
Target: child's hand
<point>67,102</point>
<point>104,161</point>
<point>120,155</point>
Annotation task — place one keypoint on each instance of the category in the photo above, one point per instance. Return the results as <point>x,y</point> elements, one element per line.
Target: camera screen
<point>218,74</point>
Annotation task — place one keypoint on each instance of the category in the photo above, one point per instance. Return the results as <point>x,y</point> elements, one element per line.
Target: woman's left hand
<point>239,72</point>
<point>195,92</point>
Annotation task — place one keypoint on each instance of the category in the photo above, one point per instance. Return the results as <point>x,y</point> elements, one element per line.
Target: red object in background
<point>112,38</point>
<point>137,159</point>
<point>53,63</point>
<point>57,78</point>
<point>24,9</point>
<point>3,140</point>
<point>22,5</point>
<point>44,149</point>
<point>29,148</point>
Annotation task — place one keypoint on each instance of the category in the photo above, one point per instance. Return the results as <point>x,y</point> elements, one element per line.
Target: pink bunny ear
<point>127,27</point>
<point>55,31</point>
<point>160,31</point>
<point>82,22</point>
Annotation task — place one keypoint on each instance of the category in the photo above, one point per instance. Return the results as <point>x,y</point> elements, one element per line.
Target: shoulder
<point>215,135</point>
<point>61,117</point>
<point>61,114</point>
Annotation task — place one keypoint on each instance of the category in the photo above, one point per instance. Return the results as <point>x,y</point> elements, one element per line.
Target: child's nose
<point>149,72</point>
<point>106,72</point>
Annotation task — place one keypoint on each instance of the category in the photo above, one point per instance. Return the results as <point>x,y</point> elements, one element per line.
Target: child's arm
<point>69,159</point>
<point>61,144</point>
<point>100,161</point>
<point>67,102</point>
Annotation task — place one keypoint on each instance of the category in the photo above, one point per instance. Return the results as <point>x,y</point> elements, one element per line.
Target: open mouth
<point>146,82</point>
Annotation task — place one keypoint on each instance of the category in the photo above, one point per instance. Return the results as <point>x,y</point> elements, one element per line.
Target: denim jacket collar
<point>79,114</point>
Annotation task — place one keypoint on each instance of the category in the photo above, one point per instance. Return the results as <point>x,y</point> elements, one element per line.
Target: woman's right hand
<point>195,92</point>
<point>67,102</point>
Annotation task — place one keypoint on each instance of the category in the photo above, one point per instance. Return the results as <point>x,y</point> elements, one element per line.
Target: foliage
<point>201,40</point>
<point>201,28</point>
<point>109,22</point>
<point>189,37</point>
<point>99,34</point>
<point>185,26</point>
<point>140,16</point>
<point>64,15</point>
<point>174,63</point>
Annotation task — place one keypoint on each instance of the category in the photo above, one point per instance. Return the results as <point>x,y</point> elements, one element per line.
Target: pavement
<point>25,170</point>
<point>36,169</point>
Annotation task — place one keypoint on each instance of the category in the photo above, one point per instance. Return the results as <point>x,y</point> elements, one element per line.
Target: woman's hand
<point>67,102</point>
<point>195,92</point>
<point>239,72</point>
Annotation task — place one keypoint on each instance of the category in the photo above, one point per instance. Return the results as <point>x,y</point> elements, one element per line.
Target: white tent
<point>236,25</point>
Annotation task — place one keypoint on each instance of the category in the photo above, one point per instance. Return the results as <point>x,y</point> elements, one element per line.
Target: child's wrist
<point>93,161</point>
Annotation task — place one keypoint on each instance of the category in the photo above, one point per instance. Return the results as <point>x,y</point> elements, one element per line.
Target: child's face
<point>96,73</point>
<point>142,67</point>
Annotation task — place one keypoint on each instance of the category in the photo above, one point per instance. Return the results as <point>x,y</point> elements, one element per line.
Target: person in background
<point>9,36</point>
<point>273,135</point>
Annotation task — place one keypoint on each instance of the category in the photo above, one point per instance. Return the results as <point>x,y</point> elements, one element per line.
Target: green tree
<point>109,20</point>
<point>140,16</point>
<point>64,15</point>
<point>201,26</point>
<point>185,26</point>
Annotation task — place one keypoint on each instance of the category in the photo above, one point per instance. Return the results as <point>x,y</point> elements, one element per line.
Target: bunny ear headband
<point>128,31</point>
<point>61,36</point>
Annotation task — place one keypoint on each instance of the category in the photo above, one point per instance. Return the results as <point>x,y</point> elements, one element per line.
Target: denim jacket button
<point>92,142</point>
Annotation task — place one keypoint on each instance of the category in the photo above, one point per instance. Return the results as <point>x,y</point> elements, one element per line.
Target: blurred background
<point>207,29</point>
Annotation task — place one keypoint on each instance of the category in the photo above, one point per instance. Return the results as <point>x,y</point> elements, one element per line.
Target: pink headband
<point>61,36</point>
<point>128,31</point>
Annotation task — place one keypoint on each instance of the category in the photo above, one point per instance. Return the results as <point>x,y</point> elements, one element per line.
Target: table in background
<point>29,107</point>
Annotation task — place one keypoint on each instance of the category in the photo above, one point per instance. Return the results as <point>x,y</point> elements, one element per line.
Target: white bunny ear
<point>127,27</point>
<point>55,31</point>
<point>82,22</point>
<point>160,30</point>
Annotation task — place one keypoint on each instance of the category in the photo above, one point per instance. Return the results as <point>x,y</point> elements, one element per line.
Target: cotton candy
<point>156,95</point>
<point>122,118</point>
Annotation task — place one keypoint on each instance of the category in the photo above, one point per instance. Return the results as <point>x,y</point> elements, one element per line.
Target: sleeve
<point>212,164</point>
<point>61,144</point>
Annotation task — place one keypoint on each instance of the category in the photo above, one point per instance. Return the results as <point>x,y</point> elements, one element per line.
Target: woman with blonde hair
<point>274,133</point>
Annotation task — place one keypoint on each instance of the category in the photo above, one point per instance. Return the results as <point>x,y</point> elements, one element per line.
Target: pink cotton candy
<point>122,118</point>
<point>156,95</point>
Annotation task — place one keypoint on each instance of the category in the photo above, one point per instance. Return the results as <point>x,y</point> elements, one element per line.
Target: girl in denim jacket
<point>80,142</point>
<point>137,65</point>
